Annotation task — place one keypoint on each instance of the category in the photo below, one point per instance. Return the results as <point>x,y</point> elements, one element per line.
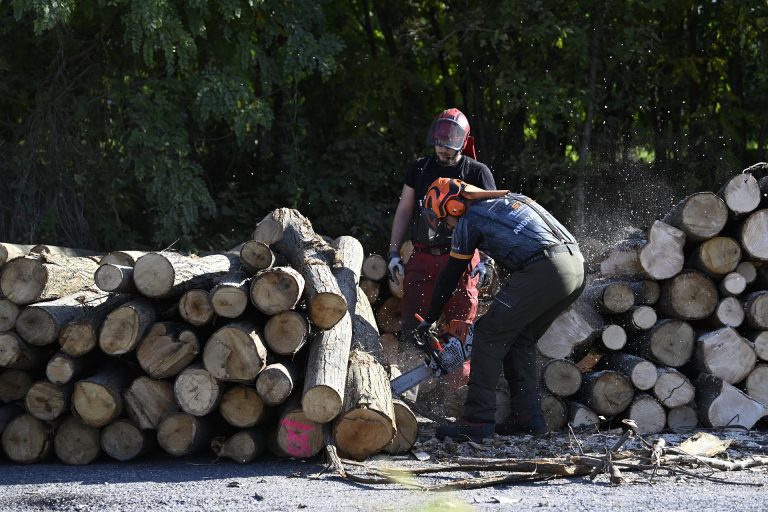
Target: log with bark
<point>606,392</point>
<point>741,194</point>
<point>74,442</point>
<point>276,382</point>
<point>242,407</point>
<point>63,368</point>
<point>27,439</point>
<point>276,289</point>
<point>555,412</point>
<point>610,297</point>
<point>169,274</point>
<point>756,383</point>
<point>148,401</point>
<point>672,388</point>
<point>167,349</point>
<point>256,256</point>
<point>683,417</point>
<point>126,325</point>
<point>374,267</point>
<point>197,391</point>
<point>722,405</point>
<point>700,216</point>
<point>725,354</point>
<point>286,332</point>
<point>648,413</point>
<point>296,435</point>
<point>732,284</point>
<point>230,296</point>
<point>407,427</point>
<point>661,257</point>
<point>40,277</point>
<point>717,256</point>
<point>17,354</point>
<point>580,416</point>
<point>669,343</point>
<point>640,372</point>
<point>41,323</point>
<point>243,447</point>
<point>292,236</point>
<point>122,258</point>
<point>195,307</point>
<point>690,295</point>
<point>235,352</point>
<point>46,400</point>
<point>123,440</point>
<point>756,309</point>
<point>613,337</point>
<point>183,434</point>
<point>371,289</point>
<point>561,377</point>
<point>14,384</point>
<point>639,318</point>
<point>114,278</point>
<point>752,235</point>
<point>9,311</point>
<point>81,336</point>
<point>97,400</point>
<point>389,316</point>
<point>569,336</point>
<point>11,251</point>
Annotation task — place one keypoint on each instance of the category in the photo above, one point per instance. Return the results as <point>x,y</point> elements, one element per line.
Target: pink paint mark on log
<point>298,437</point>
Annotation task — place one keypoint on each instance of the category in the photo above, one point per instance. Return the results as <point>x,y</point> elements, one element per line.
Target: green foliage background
<point>128,124</point>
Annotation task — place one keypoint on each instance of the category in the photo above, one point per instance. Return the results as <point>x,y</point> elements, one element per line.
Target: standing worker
<point>453,158</point>
<point>546,275</point>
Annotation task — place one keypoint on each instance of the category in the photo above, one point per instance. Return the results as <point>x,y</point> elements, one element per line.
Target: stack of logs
<point>269,346</point>
<point>673,331</point>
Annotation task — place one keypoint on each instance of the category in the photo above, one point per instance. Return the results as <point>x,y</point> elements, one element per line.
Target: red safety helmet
<point>450,129</point>
<point>444,198</point>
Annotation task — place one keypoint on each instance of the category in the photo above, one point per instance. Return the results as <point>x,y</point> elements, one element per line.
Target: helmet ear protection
<point>444,198</point>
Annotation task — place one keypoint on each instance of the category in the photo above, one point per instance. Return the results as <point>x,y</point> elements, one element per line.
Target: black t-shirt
<point>423,171</point>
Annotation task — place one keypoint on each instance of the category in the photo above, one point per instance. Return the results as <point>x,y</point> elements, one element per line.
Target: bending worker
<point>546,275</point>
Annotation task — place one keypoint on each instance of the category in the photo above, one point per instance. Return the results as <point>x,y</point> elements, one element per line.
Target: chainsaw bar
<point>411,378</point>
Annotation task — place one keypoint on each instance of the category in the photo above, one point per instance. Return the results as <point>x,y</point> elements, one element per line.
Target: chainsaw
<point>446,352</point>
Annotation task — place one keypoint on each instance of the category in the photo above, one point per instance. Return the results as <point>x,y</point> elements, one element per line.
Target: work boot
<point>464,429</point>
<point>531,425</point>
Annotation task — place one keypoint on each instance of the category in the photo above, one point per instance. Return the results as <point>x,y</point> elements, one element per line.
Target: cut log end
<point>153,275</point>
<point>326,309</point>
<point>322,403</point>
<point>361,432</point>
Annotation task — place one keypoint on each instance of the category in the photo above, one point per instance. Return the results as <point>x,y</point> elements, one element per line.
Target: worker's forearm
<point>399,227</point>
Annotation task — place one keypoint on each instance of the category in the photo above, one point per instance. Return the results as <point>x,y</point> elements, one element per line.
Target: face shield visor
<point>437,230</point>
<point>447,133</point>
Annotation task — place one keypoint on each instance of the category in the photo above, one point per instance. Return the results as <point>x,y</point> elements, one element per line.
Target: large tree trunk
<point>47,401</point>
<point>183,434</point>
<point>27,439</point>
<point>40,324</point>
<point>286,332</point>
<point>38,277</point>
<point>125,326</point>
<point>147,402</point>
<point>243,447</point>
<point>293,237</point>
<point>242,407</point>
<point>123,440</point>
<point>97,400</point>
<point>367,423</point>
<point>607,392</point>
<point>669,343</point>
<point>235,353</point>
<point>169,274</point>
<point>725,354</point>
<point>75,442</point>
<point>722,405</point>
<point>276,289</point>
<point>752,235</point>
<point>700,216</point>
<point>167,349</point>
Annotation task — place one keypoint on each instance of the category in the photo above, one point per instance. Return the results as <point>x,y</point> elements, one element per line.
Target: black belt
<point>432,250</point>
<point>551,251</point>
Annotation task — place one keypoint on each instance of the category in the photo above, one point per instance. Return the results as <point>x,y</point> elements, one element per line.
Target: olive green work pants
<point>505,337</point>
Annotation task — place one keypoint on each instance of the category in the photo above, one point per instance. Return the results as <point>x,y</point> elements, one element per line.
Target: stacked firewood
<point>266,347</point>
<point>673,330</point>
